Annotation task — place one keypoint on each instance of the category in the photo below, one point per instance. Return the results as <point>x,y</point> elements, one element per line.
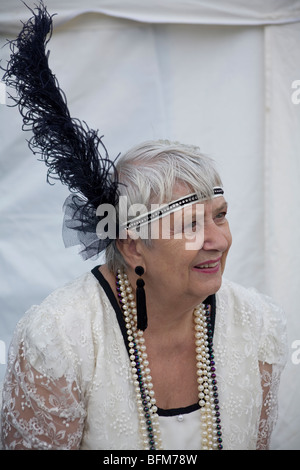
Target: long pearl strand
<point>141,374</point>
<point>207,383</point>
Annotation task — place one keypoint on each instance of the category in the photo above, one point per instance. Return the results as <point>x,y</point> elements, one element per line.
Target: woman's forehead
<point>200,209</point>
<point>215,203</point>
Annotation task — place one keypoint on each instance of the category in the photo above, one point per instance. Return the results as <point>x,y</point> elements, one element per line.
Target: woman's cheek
<point>224,256</point>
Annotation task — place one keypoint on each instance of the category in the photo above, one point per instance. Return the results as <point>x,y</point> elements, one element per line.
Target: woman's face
<point>189,263</point>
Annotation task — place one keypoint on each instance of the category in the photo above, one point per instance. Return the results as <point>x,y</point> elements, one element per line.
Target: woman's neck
<point>165,312</point>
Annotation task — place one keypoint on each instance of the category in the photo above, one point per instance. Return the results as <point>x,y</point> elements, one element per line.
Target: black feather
<point>73,152</point>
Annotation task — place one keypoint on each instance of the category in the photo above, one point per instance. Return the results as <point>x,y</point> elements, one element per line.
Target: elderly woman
<point>153,349</point>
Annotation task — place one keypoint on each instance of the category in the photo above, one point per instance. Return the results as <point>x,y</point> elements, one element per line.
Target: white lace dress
<point>68,383</point>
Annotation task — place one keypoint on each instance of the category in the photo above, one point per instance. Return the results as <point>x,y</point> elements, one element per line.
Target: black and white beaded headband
<point>169,208</point>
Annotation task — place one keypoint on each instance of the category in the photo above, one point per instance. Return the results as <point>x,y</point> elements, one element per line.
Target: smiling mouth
<point>209,266</point>
<point>209,263</point>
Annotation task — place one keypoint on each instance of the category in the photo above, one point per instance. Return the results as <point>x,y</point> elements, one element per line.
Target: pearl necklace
<point>211,435</point>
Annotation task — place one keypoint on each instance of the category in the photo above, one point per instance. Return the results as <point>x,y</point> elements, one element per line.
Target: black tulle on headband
<point>73,152</point>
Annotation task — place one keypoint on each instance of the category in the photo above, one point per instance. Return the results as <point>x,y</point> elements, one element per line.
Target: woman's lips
<point>209,266</point>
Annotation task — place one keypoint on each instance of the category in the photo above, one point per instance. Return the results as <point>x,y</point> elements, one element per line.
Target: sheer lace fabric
<point>45,412</point>
<point>68,382</point>
<point>270,381</point>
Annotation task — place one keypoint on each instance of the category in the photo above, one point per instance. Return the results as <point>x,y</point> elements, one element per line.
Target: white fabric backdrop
<point>217,74</point>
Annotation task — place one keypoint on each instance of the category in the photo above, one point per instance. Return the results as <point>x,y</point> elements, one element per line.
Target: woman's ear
<point>131,250</point>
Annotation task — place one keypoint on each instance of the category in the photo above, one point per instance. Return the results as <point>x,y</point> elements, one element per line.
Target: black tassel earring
<point>142,320</point>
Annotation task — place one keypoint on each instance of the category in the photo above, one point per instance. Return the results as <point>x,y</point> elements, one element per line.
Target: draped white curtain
<point>218,74</point>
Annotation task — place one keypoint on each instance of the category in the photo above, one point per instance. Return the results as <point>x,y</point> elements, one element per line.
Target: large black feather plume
<point>69,148</point>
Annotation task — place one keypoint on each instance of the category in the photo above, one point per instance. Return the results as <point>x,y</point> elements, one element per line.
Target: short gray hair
<point>149,172</point>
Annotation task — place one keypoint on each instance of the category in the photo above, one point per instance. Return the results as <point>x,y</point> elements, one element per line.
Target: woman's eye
<point>221,216</point>
<point>193,226</point>
<point>188,228</point>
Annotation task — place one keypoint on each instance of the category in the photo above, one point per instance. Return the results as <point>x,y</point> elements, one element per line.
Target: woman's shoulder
<point>76,289</point>
<point>71,308</point>
<point>71,298</point>
<point>61,329</point>
<point>259,313</point>
<point>248,297</point>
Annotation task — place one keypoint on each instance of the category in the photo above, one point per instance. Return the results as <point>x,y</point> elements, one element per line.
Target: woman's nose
<point>215,237</point>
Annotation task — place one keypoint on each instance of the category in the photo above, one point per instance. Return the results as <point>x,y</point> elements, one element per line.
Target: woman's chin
<point>209,284</point>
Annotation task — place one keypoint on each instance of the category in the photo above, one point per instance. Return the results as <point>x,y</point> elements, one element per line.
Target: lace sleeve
<point>43,398</point>
<point>270,379</point>
<point>39,412</point>
<point>272,356</point>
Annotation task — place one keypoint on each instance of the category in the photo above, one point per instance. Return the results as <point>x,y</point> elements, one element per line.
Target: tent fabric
<point>218,74</point>
<point>217,12</point>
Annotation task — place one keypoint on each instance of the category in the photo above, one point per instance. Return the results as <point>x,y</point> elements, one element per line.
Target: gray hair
<point>149,172</point>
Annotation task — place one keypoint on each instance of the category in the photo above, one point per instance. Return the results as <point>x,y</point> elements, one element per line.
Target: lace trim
<point>39,412</point>
<point>270,380</point>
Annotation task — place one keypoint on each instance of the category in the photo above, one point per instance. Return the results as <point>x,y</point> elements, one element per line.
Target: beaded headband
<point>168,209</point>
